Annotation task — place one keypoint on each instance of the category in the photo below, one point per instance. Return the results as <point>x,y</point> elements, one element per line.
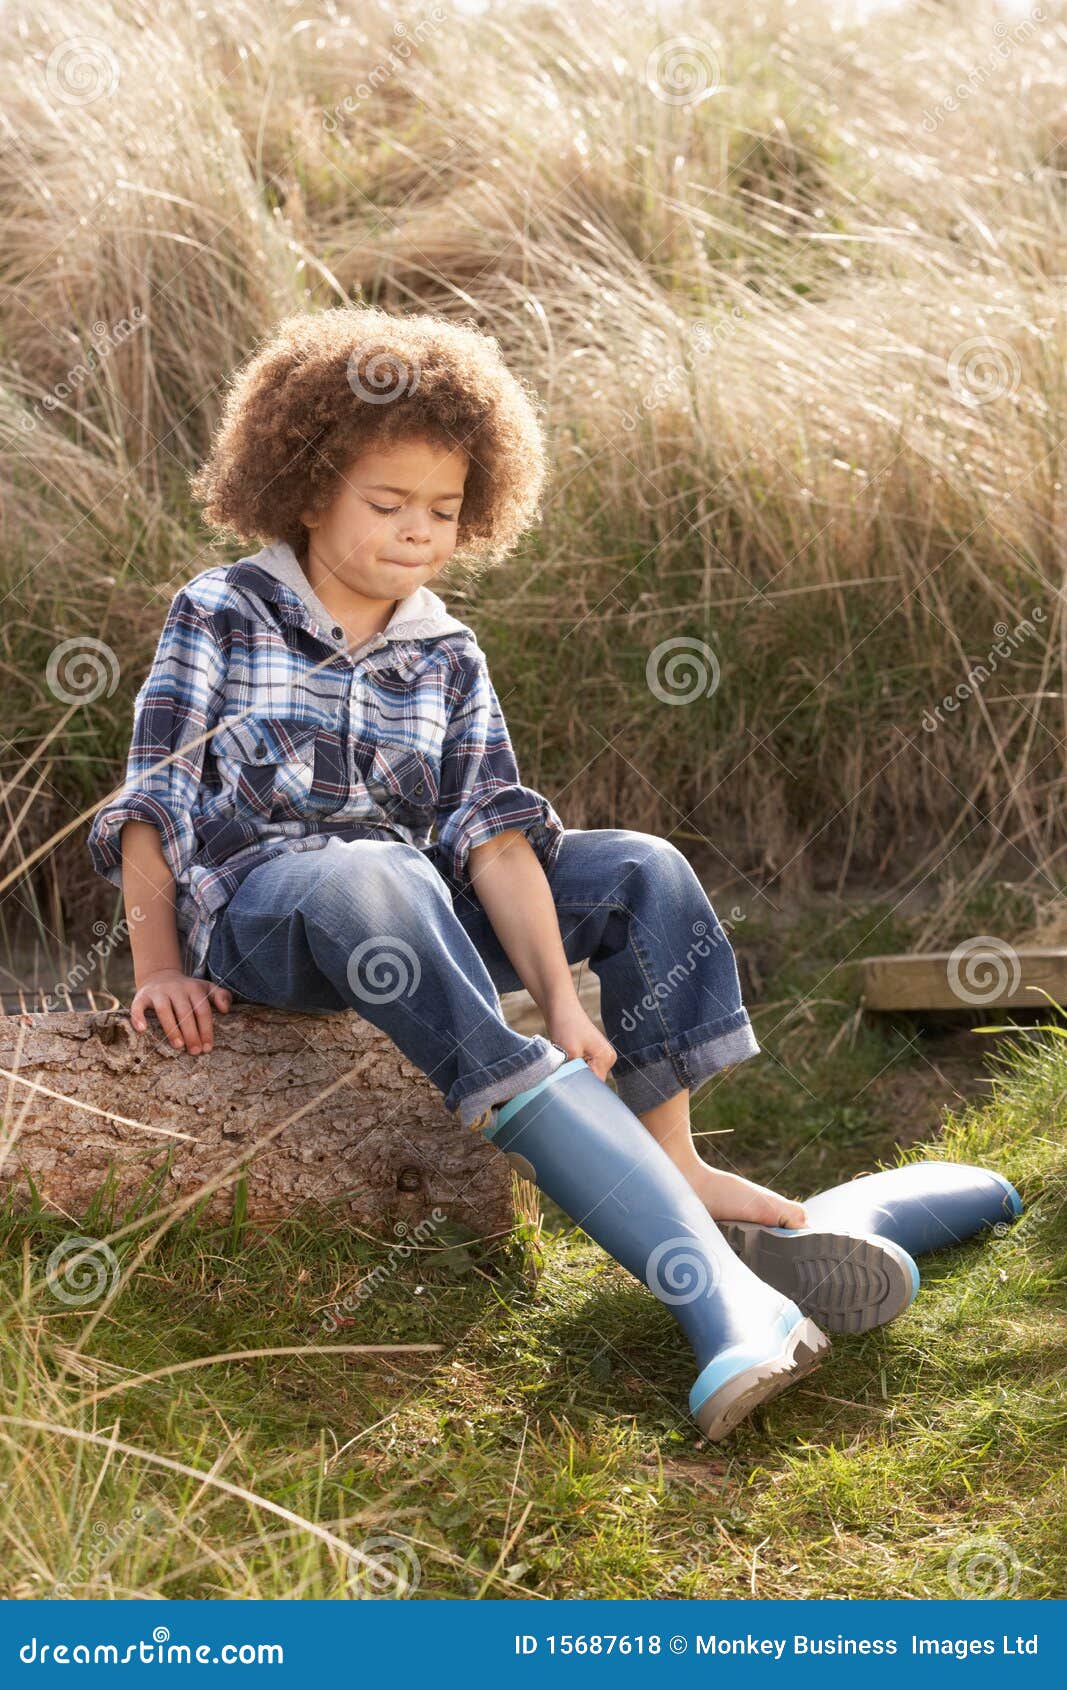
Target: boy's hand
<point>569,1026</point>
<point>182,1003</point>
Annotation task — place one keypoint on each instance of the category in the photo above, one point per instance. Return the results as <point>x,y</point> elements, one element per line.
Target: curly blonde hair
<point>325,386</point>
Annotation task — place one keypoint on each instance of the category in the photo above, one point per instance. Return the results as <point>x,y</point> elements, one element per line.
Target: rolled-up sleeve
<point>173,711</point>
<point>481,793</point>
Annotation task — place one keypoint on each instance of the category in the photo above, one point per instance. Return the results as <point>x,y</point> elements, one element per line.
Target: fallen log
<point>294,1107</point>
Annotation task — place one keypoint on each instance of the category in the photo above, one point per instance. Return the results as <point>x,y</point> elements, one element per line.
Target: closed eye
<point>391,510</point>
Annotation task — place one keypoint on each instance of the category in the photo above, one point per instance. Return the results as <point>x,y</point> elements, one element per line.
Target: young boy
<point>314,711</point>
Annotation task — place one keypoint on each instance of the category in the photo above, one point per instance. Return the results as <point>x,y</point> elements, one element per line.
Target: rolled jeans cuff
<point>645,1084</point>
<point>509,1078</point>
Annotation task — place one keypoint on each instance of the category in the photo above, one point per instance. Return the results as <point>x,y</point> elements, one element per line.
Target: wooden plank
<point>980,973</point>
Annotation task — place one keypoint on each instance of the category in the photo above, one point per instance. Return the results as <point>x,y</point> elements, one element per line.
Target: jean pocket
<point>267,764</point>
<point>404,782</point>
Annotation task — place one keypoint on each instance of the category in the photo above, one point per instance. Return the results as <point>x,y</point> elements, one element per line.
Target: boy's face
<point>393,523</point>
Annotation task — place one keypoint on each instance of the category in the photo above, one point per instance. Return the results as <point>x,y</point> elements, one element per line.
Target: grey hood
<point>421,615</point>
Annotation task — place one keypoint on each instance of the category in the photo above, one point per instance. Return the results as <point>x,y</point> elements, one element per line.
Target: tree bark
<point>372,1138</point>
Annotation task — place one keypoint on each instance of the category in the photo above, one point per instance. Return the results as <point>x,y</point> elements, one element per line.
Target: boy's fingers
<point>202,1012</point>
<point>188,1020</point>
<point>166,1020</point>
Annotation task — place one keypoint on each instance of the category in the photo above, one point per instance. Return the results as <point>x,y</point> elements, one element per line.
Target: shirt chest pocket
<point>404,782</point>
<point>277,767</point>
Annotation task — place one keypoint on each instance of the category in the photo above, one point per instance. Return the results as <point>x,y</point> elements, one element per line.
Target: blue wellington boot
<point>839,1268</point>
<point>842,1275</point>
<point>923,1206</point>
<point>580,1143</point>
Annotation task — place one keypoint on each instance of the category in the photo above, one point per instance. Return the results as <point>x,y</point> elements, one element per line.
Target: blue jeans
<point>381,927</point>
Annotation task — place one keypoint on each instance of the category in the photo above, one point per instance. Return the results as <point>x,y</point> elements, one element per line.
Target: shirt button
<point>338,633</point>
<point>261,749</point>
<point>421,787</point>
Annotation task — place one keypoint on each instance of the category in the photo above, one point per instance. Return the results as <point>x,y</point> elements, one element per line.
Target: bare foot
<point>728,1197</point>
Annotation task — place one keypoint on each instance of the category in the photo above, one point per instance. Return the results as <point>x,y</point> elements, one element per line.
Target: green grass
<point>543,1448</point>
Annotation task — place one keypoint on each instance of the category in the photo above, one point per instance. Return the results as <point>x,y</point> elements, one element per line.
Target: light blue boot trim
<point>739,1357</point>
<point>1016,1200</point>
<point>513,1103</point>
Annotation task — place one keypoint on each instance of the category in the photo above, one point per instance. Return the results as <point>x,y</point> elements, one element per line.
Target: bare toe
<point>792,1214</point>
<point>729,1197</point>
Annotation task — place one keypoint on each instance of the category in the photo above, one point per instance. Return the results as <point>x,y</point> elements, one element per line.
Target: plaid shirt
<point>259,731</point>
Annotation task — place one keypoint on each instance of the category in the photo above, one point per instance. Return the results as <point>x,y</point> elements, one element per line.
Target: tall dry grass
<point>799,332</point>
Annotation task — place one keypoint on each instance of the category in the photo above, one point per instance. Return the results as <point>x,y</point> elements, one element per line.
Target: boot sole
<point>848,1282</point>
<point>804,1348</point>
